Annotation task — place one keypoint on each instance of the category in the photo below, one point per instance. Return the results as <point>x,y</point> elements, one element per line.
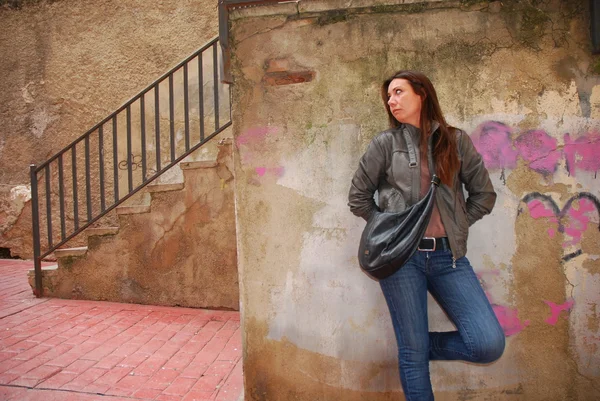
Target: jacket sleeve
<point>481,195</point>
<point>365,182</point>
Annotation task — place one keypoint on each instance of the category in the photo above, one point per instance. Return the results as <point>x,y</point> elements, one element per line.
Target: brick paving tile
<point>207,383</point>
<point>134,360</point>
<point>231,324</point>
<point>206,357</point>
<point>24,382</point>
<point>179,361</point>
<point>25,367</point>
<point>166,351</point>
<point>231,352</point>
<point>4,355</point>
<point>112,376</point>
<point>79,366</point>
<point>75,340</point>
<point>6,378</point>
<point>42,372</point>
<point>58,380</point>
<point>220,368</point>
<point>109,362</point>
<point>21,346</point>
<point>195,370</point>
<point>193,347</point>
<point>64,360</point>
<point>32,352</point>
<point>204,336</point>
<point>130,383</point>
<point>96,388</point>
<point>85,347</point>
<point>8,364</point>
<point>168,397</point>
<point>180,386</point>
<point>84,379</point>
<point>54,341</point>
<point>151,346</point>
<point>199,396</point>
<point>101,351</point>
<point>150,366</point>
<point>165,334</point>
<point>142,339</point>
<point>147,393</point>
<point>233,386</point>
<point>213,326</point>
<point>162,379</point>
<point>226,333</point>
<point>126,349</point>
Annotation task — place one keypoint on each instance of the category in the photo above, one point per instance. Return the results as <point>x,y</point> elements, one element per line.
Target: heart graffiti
<point>570,220</point>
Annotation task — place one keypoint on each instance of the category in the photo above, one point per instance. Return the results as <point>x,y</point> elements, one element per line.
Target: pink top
<point>436,227</point>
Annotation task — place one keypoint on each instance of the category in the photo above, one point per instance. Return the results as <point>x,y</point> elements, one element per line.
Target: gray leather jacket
<point>385,168</point>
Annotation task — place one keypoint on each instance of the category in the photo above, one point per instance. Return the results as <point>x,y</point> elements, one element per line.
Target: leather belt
<point>429,244</point>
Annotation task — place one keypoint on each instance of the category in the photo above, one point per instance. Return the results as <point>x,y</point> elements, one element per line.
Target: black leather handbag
<point>390,239</point>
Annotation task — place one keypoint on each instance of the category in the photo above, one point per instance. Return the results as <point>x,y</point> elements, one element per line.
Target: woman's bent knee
<point>490,349</point>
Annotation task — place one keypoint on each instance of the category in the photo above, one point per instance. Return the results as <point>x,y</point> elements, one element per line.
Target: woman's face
<point>404,103</point>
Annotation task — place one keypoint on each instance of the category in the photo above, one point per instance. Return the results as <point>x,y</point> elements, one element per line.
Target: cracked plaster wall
<point>67,65</point>
<point>519,78</point>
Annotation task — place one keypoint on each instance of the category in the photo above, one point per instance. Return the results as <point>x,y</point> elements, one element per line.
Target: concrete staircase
<point>178,249</point>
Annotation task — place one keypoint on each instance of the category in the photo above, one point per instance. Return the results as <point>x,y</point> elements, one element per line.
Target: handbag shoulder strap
<point>413,165</point>
<point>434,178</point>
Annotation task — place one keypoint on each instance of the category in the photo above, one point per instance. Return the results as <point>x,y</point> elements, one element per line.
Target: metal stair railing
<point>149,134</point>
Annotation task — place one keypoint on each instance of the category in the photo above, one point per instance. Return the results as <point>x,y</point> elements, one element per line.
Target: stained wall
<point>520,78</point>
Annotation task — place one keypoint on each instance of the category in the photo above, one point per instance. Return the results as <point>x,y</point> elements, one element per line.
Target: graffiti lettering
<point>500,150</point>
<point>136,162</point>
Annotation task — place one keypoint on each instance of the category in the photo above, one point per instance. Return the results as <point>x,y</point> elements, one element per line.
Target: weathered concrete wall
<point>520,79</point>
<point>67,65</point>
<point>182,252</point>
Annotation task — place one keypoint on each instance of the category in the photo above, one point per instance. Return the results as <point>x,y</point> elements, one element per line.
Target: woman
<point>439,265</point>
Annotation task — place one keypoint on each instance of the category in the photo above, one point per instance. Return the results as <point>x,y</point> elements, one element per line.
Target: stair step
<point>165,187</point>
<point>44,269</point>
<point>102,231</point>
<point>64,252</point>
<point>198,164</point>
<point>133,209</point>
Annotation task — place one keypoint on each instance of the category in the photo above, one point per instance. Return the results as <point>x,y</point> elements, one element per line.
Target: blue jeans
<point>479,338</point>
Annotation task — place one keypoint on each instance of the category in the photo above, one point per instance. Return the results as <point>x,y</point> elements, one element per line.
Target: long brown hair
<point>445,153</point>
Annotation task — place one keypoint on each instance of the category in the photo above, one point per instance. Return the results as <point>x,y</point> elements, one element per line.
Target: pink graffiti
<point>557,309</point>
<point>579,219</point>
<point>582,153</point>
<point>256,134</point>
<point>494,140</point>
<point>276,171</point>
<point>509,320</point>
<point>507,317</point>
<point>539,149</point>
<point>537,209</point>
<point>575,220</point>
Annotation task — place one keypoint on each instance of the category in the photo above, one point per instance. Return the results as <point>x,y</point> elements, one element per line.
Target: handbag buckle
<point>427,249</point>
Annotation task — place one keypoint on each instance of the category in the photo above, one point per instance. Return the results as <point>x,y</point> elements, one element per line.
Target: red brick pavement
<point>70,350</point>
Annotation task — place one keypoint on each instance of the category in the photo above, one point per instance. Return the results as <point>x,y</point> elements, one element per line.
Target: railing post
<point>224,42</point>
<point>35,218</point>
